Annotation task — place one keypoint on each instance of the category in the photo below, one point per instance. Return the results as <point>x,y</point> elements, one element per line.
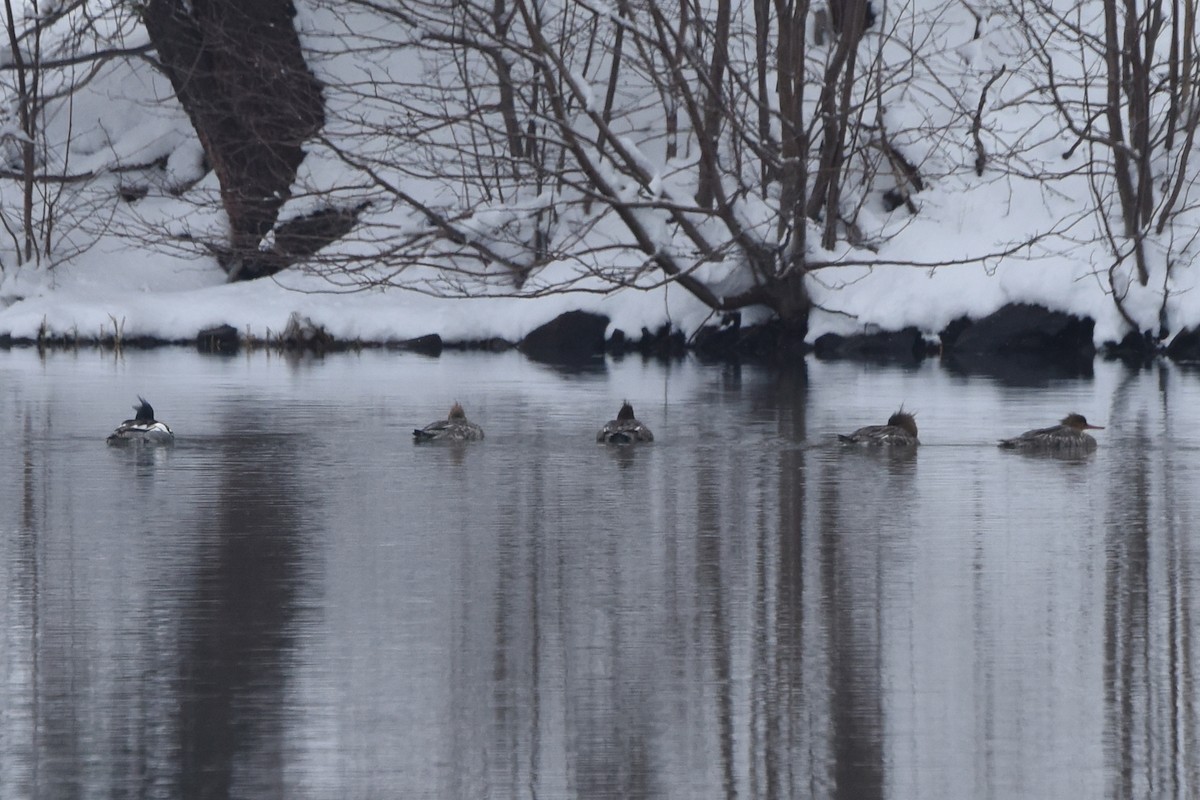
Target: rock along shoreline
<point>1018,336</point>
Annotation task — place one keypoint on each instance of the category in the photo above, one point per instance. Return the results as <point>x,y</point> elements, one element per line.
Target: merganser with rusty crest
<point>625,429</point>
<point>900,431</point>
<point>454,428</point>
<point>142,428</point>
<point>1066,437</point>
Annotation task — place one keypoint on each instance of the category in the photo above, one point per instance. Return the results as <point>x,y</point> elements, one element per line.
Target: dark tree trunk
<point>238,70</point>
<point>714,111</point>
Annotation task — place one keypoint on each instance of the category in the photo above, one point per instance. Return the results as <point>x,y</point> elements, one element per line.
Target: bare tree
<point>516,147</point>
<point>1122,76</point>
<point>654,141</point>
<point>51,53</point>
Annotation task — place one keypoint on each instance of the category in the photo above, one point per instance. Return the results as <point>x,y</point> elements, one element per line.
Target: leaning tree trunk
<point>237,68</point>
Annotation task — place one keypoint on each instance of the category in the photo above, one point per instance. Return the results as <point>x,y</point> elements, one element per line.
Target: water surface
<point>296,601</point>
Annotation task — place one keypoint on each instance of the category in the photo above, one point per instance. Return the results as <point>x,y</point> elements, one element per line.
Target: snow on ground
<point>147,294</point>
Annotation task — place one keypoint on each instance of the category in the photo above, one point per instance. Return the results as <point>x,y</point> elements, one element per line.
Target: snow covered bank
<point>145,295</point>
<point>137,294</point>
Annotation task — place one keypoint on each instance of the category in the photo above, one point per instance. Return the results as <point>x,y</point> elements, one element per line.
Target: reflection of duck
<point>900,431</point>
<point>142,428</point>
<point>625,429</point>
<point>454,428</point>
<point>1066,437</point>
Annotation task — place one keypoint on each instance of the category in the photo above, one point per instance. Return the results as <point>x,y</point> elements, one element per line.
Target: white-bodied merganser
<point>142,428</point>
<point>1066,437</point>
<point>454,428</point>
<point>625,429</point>
<point>900,431</point>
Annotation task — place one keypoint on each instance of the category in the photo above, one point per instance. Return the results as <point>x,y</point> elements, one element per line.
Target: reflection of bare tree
<point>711,587</point>
<point>237,626</point>
<point>778,674</point>
<point>852,631</point>
<point>640,630</point>
<point>859,494</point>
<point>26,577</point>
<point>1125,615</point>
<point>1148,665</point>
<point>790,696</point>
<point>559,673</point>
<point>60,678</point>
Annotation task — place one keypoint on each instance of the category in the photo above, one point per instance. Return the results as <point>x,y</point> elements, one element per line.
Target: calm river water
<point>295,601</point>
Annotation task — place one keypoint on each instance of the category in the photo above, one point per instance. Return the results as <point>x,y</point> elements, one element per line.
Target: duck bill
<point>1093,427</point>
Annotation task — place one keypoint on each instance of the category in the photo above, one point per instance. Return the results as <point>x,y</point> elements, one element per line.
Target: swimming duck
<point>625,429</point>
<point>900,431</point>
<point>454,428</point>
<point>142,428</point>
<point>1066,437</point>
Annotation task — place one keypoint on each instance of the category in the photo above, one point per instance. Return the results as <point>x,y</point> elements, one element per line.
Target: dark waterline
<point>296,601</point>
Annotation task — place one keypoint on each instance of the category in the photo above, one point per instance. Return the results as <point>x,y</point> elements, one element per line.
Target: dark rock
<point>1021,329</point>
<point>1021,345</point>
<point>569,338</point>
<point>663,343</point>
<point>1185,347</point>
<point>428,345</point>
<point>1135,348</point>
<point>905,346</point>
<point>493,345</point>
<point>951,332</point>
<point>220,339</point>
<point>618,343</point>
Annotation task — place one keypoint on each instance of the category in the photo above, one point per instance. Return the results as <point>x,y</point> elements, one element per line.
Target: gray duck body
<point>1068,437</point>
<point>454,428</point>
<point>625,429</point>
<point>900,431</point>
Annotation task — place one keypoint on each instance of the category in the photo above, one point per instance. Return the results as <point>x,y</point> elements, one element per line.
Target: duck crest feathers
<point>145,412</point>
<point>905,420</point>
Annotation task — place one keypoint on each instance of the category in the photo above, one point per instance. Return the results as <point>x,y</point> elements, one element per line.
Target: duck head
<point>626,412</point>
<point>456,412</point>
<point>145,412</point>
<point>905,420</point>
<point>1079,422</point>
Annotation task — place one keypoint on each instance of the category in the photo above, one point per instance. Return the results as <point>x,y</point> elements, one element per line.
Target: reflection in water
<point>22,614</point>
<point>864,493</point>
<point>236,633</point>
<point>297,604</point>
<point>147,616</point>
<point>1149,676</point>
